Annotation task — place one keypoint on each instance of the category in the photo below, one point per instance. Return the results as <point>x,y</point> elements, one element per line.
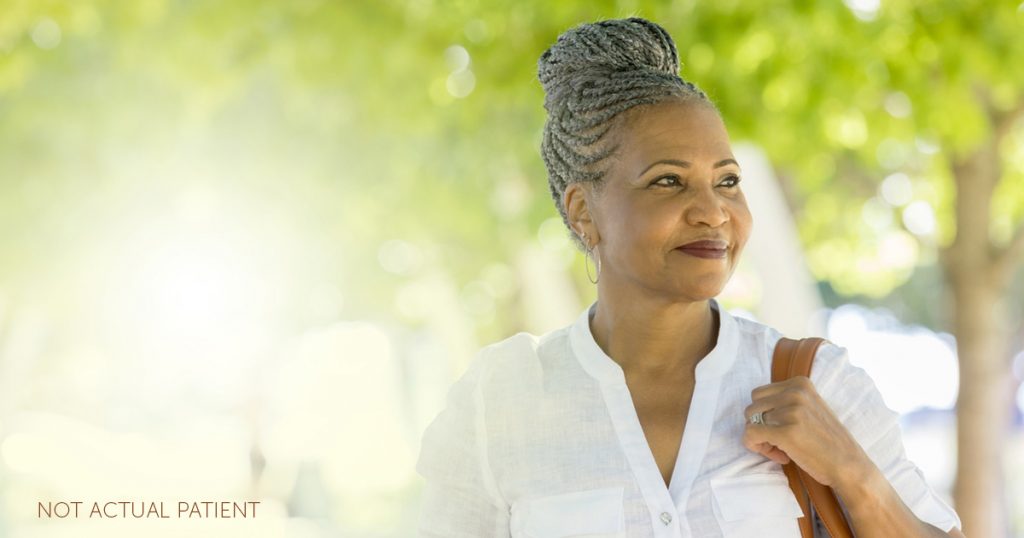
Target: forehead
<point>680,130</point>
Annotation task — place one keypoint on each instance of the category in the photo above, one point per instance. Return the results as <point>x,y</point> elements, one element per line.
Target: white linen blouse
<point>540,439</point>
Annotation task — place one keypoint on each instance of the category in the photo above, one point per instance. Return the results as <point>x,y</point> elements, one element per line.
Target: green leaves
<point>366,102</point>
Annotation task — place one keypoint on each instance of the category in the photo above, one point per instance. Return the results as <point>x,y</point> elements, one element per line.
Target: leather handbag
<point>794,358</point>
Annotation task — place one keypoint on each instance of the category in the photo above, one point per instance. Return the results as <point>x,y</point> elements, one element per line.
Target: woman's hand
<point>799,425</point>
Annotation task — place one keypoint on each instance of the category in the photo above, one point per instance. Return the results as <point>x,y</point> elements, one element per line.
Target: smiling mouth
<point>703,252</point>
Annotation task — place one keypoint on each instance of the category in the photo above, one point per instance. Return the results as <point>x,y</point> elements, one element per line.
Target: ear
<point>577,201</point>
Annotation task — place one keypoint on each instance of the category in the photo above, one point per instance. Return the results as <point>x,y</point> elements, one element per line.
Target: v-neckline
<point>660,498</point>
<point>692,444</point>
<point>676,441</point>
<point>643,461</point>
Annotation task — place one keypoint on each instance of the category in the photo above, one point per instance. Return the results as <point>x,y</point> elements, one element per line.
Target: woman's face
<point>673,181</point>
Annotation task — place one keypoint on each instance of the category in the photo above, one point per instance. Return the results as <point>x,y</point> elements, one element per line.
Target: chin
<point>704,288</point>
<point>695,295</point>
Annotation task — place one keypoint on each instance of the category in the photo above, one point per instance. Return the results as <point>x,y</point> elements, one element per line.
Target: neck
<point>651,337</point>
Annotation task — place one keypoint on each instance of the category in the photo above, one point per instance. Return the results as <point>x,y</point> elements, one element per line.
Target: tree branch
<point>1004,121</point>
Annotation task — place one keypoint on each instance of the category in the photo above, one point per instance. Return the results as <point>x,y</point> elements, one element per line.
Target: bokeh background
<point>246,246</point>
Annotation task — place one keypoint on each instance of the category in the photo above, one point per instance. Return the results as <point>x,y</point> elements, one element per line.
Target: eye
<point>731,181</point>
<point>661,181</point>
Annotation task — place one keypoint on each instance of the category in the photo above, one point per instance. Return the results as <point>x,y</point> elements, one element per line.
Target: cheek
<point>640,225</point>
<point>640,234</point>
<point>744,222</point>
<point>655,228</point>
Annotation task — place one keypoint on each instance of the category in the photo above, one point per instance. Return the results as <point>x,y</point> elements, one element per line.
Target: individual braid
<point>591,75</point>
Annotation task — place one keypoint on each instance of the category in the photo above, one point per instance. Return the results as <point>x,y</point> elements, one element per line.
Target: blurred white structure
<point>789,298</point>
<point>913,367</point>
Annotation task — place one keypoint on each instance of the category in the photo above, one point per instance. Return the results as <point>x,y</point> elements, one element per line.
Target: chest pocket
<point>759,505</point>
<point>593,513</point>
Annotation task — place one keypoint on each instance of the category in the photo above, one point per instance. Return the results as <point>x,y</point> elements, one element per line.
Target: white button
<point>666,518</point>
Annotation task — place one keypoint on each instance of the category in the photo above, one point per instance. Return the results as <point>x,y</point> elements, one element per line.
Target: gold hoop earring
<point>586,261</point>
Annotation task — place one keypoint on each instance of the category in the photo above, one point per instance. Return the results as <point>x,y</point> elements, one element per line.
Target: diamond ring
<point>757,418</point>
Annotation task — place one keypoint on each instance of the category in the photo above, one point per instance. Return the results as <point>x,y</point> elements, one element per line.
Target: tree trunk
<point>982,411</point>
<point>979,322</point>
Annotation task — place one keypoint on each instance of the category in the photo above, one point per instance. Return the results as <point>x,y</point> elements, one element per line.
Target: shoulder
<point>848,389</point>
<point>518,358</point>
<point>476,383</point>
<point>756,345</point>
<point>851,394</point>
<point>511,352</point>
<point>517,345</point>
<point>831,361</point>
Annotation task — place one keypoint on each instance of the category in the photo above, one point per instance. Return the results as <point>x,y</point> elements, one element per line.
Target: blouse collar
<point>600,366</point>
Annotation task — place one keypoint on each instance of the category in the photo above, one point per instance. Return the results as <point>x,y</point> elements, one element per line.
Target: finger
<point>755,435</point>
<point>772,452</point>
<point>764,403</point>
<point>756,408</point>
<point>771,389</point>
<point>777,455</point>
<point>777,433</point>
<point>791,396</point>
<point>772,406</point>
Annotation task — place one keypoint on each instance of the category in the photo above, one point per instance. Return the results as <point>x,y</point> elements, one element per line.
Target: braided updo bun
<point>591,75</point>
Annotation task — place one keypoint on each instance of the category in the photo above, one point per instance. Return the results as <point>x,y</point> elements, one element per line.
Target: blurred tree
<point>894,127</point>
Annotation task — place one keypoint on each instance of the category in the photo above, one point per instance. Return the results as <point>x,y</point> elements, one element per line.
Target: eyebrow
<point>686,164</point>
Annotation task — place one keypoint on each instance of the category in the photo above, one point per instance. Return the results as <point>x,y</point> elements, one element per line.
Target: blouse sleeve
<point>855,399</point>
<point>459,499</point>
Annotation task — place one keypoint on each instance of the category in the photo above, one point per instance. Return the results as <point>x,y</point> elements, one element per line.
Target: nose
<point>706,208</point>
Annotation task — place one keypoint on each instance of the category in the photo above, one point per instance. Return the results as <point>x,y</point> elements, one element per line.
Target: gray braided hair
<point>591,75</point>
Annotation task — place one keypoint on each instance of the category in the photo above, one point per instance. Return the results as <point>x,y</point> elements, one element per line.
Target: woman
<point>635,421</point>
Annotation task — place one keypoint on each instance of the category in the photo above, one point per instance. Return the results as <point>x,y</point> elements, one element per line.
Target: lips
<point>705,249</point>
<point>706,245</point>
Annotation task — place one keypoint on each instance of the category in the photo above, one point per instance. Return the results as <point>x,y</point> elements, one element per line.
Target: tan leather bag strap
<point>794,358</point>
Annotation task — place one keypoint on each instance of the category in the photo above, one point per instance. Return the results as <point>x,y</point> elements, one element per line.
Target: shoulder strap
<point>794,358</point>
